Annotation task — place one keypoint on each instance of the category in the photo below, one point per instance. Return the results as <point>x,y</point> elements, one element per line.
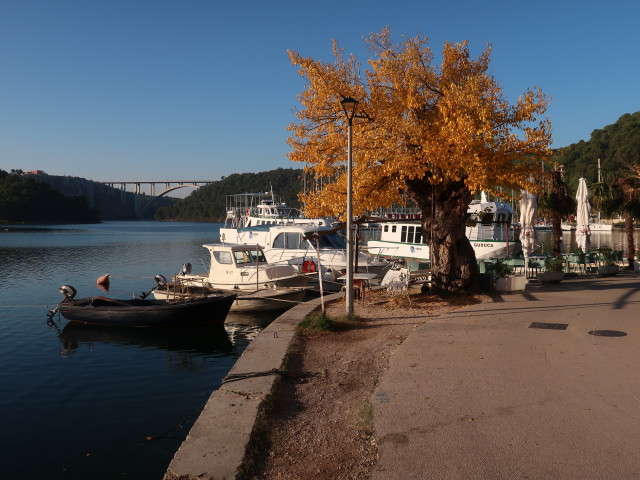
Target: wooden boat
<point>138,312</point>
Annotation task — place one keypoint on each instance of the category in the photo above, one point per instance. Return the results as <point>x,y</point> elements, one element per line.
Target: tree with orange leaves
<point>433,133</point>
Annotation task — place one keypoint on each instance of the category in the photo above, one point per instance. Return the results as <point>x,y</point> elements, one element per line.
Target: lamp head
<point>349,105</point>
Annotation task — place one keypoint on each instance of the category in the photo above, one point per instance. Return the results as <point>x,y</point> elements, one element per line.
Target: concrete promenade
<point>478,394</point>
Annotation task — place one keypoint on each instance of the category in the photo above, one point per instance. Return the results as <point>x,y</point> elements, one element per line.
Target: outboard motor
<point>69,292</point>
<point>186,269</point>
<point>161,281</point>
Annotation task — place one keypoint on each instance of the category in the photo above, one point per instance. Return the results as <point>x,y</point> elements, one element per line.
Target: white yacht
<point>489,230</point>
<point>252,209</point>
<point>308,247</point>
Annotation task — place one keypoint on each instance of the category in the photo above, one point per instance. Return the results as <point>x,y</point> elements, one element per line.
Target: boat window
<point>418,237</point>
<point>393,229</point>
<point>278,242</point>
<point>293,241</point>
<point>386,228</point>
<point>487,219</point>
<point>403,234</point>
<point>333,240</point>
<point>251,256</point>
<point>223,257</point>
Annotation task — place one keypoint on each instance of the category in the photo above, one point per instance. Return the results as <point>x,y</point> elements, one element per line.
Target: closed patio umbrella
<point>528,209</point>
<point>582,215</point>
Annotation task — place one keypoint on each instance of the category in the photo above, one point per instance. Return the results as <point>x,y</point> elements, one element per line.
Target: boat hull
<point>146,313</point>
<point>267,299</point>
<point>484,249</point>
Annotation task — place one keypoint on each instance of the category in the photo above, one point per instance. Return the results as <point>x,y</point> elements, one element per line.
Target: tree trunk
<point>444,219</point>
<point>556,233</point>
<point>631,246</point>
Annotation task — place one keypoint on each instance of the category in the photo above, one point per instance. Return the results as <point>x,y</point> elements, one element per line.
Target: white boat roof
<point>478,206</point>
<point>233,247</point>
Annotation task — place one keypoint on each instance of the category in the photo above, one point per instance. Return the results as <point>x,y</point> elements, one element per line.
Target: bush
<point>501,269</point>
<point>554,265</point>
<point>606,256</point>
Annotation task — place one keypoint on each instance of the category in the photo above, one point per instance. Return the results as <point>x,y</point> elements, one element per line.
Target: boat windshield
<point>249,256</point>
<point>333,240</point>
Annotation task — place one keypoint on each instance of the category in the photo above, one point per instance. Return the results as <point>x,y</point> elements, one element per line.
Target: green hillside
<point>208,202</point>
<point>614,145</point>
<point>26,200</point>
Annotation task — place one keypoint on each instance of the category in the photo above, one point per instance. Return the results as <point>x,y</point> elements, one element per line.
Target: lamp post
<point>349,106</point>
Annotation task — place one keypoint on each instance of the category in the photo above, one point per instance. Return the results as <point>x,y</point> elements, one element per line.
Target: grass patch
<point>366,420</point>
<point>318,322</point>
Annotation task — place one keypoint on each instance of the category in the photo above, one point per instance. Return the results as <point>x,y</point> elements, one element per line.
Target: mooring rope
<point>24,306</point>
<point>124,276</point>
<point>178,426</point>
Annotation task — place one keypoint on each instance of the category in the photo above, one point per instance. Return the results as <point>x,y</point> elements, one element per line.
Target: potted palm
<point>553,272</point>
<point>609,267</point>
<point>506,281</point>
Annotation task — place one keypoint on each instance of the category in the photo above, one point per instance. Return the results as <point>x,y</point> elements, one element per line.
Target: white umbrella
<point>528,209</point>
<point>584,212</point>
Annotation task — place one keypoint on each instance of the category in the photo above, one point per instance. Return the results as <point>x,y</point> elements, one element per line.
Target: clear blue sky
<point>198,89</point>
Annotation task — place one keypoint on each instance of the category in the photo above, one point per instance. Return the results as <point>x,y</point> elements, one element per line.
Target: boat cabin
<point>490,221</point>
<point>234,265</point>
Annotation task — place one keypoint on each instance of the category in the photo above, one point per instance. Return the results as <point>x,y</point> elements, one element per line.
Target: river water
<point>79,403</point>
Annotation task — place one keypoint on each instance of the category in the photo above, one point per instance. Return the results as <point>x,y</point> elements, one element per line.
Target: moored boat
<point>260,300</point>
<point>252,209</point>
<point>307,247</point>
<point>244,271</point>
<point>489,230</point>
<point>141,312</point>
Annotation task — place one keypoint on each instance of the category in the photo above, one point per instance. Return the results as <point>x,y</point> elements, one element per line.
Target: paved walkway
<point>478,394</point>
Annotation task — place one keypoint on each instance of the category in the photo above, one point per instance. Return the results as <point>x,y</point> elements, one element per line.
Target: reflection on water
<point>188,341</point>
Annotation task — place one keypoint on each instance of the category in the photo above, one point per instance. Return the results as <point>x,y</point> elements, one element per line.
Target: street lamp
<point>349,106</point>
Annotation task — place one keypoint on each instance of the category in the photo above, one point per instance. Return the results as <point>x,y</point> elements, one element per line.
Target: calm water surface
<point>80,402</point>
<point>616,239</point>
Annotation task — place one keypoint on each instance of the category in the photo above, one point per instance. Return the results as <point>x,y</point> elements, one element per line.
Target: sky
<point>160,90</point>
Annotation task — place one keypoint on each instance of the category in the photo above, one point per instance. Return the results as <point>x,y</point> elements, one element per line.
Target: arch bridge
<point>169,185</point>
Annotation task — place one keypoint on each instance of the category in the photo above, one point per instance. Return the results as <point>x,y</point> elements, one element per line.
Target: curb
<point>216,444</point>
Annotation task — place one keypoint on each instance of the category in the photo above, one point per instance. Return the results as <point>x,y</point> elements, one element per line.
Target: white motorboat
<point>245,271</point>
<point>489,231</point>
<point>600,227</point>
<point>308,247</point>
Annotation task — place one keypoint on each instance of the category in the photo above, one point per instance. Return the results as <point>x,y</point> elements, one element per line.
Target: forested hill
<point>208,202</point>
<point>26,200</point>
<point>614,145</point>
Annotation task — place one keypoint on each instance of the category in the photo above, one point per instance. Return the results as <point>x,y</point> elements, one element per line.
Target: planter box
<point>608,270</point>
<point>550,277</point>
<point>512,283</point>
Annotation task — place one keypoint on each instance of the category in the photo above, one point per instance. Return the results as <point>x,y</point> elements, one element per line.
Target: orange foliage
<point>438,123</point>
